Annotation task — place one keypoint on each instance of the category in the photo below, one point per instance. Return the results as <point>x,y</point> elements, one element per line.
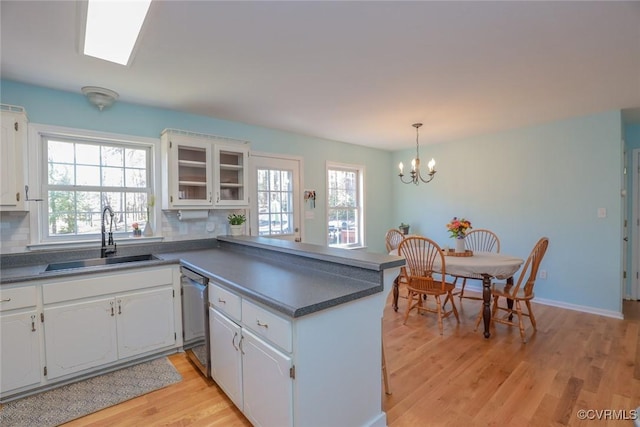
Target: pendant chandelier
<point>415,175</point>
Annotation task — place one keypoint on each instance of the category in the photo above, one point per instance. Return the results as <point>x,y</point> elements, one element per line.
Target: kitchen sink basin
<point>94,262</point>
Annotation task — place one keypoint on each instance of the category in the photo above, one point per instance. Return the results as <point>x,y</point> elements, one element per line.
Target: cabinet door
<point>190,172</point>
<point>13,131</point>
<point>79,336</point>
<point>226,359</point>
<point>145,321</point>
<point>267,385</point>
<point>20,344</point>
<point>231,170</point>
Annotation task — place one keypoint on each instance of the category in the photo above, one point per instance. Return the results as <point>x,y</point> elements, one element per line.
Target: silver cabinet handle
<point>259,323</point>
<point>221,300</point>
<point>5,299</point>
<point>33,323</point>
<point>112,310</point>
<point>233,341</point>
<point>240,344</point>
<point>119,306</point>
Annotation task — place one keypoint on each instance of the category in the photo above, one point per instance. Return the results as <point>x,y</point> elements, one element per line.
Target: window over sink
<point>81,172</point>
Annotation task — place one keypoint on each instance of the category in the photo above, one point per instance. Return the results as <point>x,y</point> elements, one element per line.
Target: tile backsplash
<point>15,235</point>
<point>14,232</point>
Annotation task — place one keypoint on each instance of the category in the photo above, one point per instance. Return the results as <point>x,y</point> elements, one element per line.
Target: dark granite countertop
<point>289,289</point>
<point>292,279</point>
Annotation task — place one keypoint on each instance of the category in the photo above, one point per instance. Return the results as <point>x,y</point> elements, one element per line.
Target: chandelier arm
<point>431,175</point>
<point>401,175</point>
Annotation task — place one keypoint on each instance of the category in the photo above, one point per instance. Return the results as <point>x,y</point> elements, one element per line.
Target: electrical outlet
<point>543,274</point>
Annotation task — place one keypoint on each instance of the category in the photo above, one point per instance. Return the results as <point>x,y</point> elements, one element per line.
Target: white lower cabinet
<point>79,336</point>
<point>145,321</point>
<point>255,375</point>
<point>226,358</point>
<point>83,335</point>
<point>96,320</point>
<point>266,383</point>
<point>20,339</point>
<point>20,344</point>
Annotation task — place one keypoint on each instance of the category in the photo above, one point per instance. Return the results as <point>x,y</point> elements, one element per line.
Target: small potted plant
<point>136,230</point>
<point>235,223</point>
<point>404,228</point>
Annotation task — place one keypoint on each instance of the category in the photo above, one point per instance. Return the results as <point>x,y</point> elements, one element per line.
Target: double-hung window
<point>83,175</point>
<point>345,219</point>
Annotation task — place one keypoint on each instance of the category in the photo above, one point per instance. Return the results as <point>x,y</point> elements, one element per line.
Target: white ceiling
<point>360,71</point>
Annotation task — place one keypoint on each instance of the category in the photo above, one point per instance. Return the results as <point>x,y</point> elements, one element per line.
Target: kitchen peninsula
<point>307,320</point>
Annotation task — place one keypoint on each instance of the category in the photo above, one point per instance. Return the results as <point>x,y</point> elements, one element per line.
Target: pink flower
<point>135,225</point>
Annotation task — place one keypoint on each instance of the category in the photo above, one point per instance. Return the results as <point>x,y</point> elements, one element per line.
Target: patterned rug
<point>55,407</point>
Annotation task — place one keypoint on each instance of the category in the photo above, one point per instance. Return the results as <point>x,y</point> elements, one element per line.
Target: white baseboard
<point>560,304</point>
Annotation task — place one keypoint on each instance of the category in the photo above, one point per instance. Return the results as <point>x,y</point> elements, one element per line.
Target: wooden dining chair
<point>480,240</point>
<point>393,238</point>
<point>522,291</point>
<point>425,273</point>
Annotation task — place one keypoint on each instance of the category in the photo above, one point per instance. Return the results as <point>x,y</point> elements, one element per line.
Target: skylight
<point>113,27</point>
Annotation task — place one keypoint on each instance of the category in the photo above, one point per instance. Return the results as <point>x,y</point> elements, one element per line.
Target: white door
<point>275,203</point>
<point>266,381</point>
<point>226,359</point>
<point>20,344</point>
<point>635,228</point>
<point>145,321</point>
<point>79,336</point>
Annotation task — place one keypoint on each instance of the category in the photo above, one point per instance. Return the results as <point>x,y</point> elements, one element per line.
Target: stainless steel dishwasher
<point>195,319</point>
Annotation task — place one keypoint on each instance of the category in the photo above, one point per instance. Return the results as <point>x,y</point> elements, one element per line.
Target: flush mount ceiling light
<point>112,28</point>
<point>99,96</point>
<point>416,176</point>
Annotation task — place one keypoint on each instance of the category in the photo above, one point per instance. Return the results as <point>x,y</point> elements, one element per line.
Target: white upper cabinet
<point>231,175</point>
<point>13,145</point>
<point>186,171</point>
<point>203,171</point>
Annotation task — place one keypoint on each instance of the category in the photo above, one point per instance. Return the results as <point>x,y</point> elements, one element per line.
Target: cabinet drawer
<point>96,284</point>
<point>268,325</point>
<point>225,301</point>
<point>18,298</point>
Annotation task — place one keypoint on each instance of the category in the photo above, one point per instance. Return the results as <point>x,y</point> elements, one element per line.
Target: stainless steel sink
<point>93,262</point>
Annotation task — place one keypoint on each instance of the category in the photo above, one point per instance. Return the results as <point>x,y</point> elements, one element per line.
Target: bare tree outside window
<point>85,176</point>
<point>344,210</point>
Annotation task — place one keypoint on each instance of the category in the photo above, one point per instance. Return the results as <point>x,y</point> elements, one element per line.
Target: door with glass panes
<point>275,205</point>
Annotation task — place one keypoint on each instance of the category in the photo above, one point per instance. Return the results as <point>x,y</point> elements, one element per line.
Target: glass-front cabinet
<point>203,171</point>
<point>231,175</point>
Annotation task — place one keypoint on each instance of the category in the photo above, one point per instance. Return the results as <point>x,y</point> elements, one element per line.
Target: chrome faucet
<point>108,246</point>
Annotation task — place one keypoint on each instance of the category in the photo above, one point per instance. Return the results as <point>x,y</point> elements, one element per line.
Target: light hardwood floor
<point>574,361</point>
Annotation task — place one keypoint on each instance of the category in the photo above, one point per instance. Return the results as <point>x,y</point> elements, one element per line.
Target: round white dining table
<point>481,265</point>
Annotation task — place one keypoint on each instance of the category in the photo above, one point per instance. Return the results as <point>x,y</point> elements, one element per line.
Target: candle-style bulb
<point>401,166</point>
<point>432,165</point>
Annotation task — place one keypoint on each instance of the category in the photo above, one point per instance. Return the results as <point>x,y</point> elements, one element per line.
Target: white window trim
<point>362,171</point>
<point>35,158</point>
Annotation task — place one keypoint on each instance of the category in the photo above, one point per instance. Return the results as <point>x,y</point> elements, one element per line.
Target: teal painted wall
<point>53,107</point>
<point>547,180</point>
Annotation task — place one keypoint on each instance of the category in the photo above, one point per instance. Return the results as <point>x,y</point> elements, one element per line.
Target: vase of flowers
<point>136,230</point>
<point>458,228</point>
